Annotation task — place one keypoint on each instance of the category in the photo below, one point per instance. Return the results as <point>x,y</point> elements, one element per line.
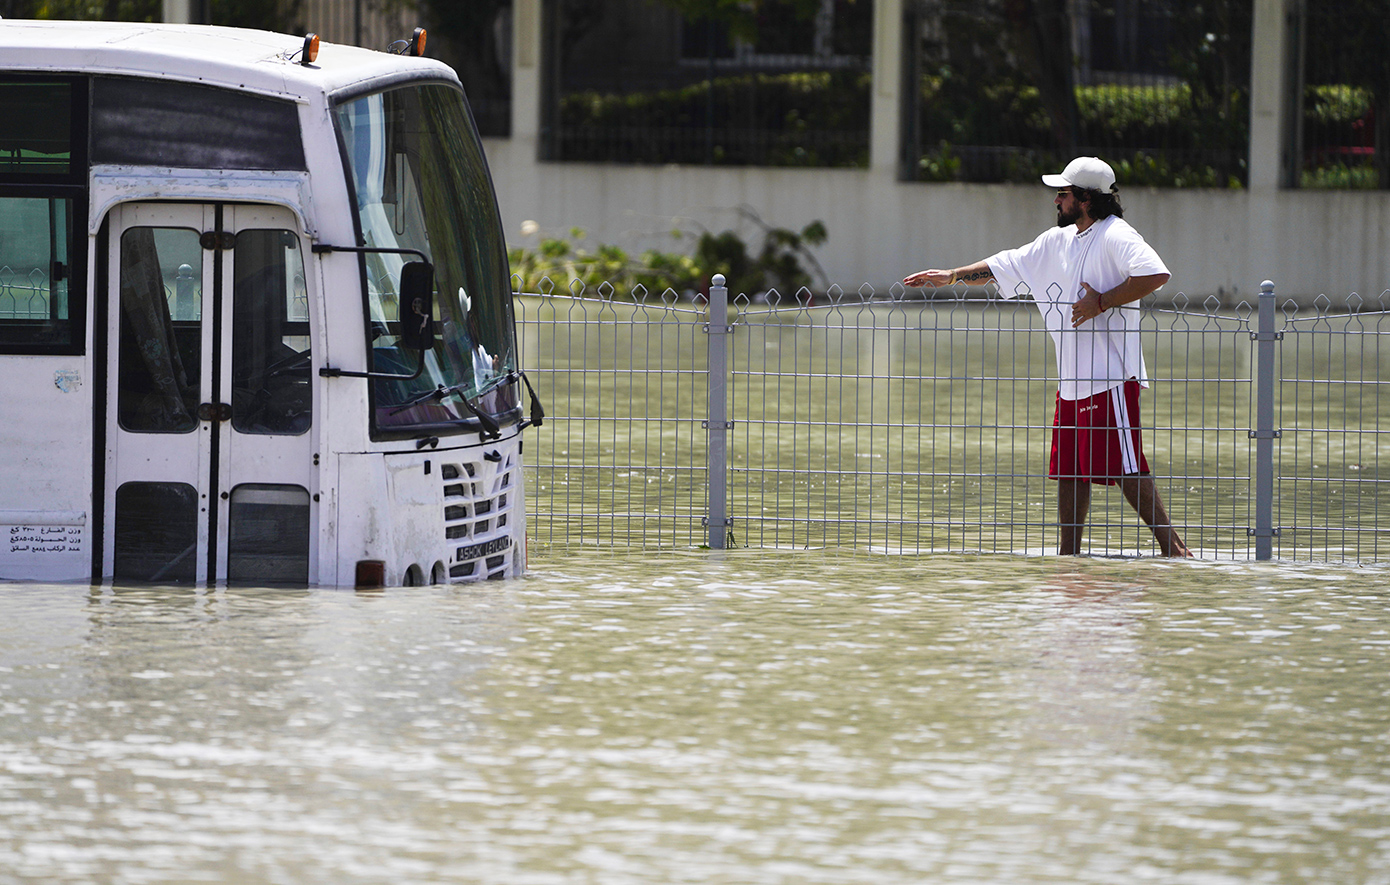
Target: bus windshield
<point>421,183</point>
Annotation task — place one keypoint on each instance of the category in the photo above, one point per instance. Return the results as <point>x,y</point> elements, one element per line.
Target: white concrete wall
<point>1328,242</point>
<point>1216,242</point>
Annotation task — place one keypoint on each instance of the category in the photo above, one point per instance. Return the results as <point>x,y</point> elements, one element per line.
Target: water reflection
<point>744,717</point>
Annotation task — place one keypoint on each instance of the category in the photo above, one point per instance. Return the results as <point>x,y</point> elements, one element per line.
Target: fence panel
<point>888,424</point>
<point>879,422</point>
<point>621,458</point>
<point>1198,419</point>
<point>1333,461</point>
<point>25,295</point>
<point>924,426</point>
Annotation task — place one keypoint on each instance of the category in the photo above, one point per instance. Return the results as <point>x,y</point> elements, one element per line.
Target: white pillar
<point>1270,111</point>
<point>1272,69</point>
<point>885,105</point>
<point>178,12</point>
<point>526,73</point>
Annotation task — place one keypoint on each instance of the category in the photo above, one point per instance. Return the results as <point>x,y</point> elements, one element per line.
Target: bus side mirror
<point>417,305</point>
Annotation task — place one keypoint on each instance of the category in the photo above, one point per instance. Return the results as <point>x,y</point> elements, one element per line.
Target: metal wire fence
<point>875,421</point>
<point>25,293</point>
<point>1332,471</point>
<point>1005,91</point>
<point>771,84</point>
<point>1344,131</point>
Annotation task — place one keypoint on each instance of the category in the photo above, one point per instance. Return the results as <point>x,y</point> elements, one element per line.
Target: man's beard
<point>1066,218</point>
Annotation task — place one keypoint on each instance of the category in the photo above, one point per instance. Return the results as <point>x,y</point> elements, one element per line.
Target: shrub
<point>815,118</point>
<point>1152,134</point>
<point>780,263</point>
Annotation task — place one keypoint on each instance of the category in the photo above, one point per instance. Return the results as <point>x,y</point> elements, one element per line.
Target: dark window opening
<point>182,125</point>
<point>271,390</point>
<point>268,535</point>
<point>157,532</point>
<point>161,342</point>
<point>42,131</point>
<point>43,169</point>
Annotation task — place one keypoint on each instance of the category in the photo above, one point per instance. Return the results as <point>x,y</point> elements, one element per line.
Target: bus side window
<point>161,353</point>
<point>35,270</point>
<point>271,390</point>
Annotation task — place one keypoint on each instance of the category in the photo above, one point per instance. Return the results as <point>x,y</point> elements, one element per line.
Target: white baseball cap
<point>1092,173</point>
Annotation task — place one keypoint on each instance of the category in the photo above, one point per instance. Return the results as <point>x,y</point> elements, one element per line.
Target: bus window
<point>268,535</point>
<point>43,168</point>
<point>161,330</point>
<point>156,532</point>
<point>168,123</point>
<point>35,272</point>
<point>36,129</point>
<point>421,182</point>
<point>270,335</point>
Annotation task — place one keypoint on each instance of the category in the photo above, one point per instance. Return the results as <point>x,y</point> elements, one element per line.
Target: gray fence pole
<point>718,422</point>
<point>1264,433</point>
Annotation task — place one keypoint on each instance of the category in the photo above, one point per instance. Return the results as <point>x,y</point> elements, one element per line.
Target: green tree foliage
<point>996,49</point>
<point>570,268</point>
<point>779,263</point>
<point>998,99</point>
<point>89,10</point>
<point>1210,54</point>
<point>648,107</point>
<point>783,261</point>
<point>284,16</point>
<point>810,118</point>
<point>1346,46</point>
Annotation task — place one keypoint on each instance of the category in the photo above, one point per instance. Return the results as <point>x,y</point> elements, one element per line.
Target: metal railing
<point>883,422</point>
<point>1160,90</point>
<point>1342,136</point>
<point>24,294</point>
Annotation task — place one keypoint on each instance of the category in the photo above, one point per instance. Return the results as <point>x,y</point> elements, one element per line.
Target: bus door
<point>209,424</point>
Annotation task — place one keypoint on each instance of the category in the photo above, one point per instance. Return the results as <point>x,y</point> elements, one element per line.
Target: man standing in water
<point>1084,274</point>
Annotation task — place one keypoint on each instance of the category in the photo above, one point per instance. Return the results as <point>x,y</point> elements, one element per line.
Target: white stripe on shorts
<point>1129,458</point>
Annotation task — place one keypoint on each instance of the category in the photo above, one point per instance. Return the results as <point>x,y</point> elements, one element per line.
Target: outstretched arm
<point>1093,303</point>
<point>976,274</point>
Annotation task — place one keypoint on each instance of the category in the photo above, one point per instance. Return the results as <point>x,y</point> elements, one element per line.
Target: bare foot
<point>1178,549</point>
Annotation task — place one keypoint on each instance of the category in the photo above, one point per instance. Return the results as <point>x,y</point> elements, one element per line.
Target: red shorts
<point>1097,438</point>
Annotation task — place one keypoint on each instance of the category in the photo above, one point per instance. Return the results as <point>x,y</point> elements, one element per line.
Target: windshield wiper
<point>491,429</point>
<point>437,394</point>
<point>537,410</point>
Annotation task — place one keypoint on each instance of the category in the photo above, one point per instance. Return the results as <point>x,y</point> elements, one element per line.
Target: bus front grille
<point>479,499</point>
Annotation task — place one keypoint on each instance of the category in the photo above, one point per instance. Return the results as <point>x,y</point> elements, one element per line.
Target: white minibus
<point>255,314</point>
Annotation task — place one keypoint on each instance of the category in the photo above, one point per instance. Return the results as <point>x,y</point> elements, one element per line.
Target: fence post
<point>1264,433</point>
<point>717,423</point>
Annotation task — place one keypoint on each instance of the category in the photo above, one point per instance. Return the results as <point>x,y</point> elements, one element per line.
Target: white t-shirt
<point>1100,353</point>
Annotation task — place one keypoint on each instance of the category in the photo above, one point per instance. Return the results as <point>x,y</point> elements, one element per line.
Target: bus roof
<point>257,61</point>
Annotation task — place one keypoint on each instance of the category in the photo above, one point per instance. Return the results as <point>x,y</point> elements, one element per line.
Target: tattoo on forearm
<point>974,275</point>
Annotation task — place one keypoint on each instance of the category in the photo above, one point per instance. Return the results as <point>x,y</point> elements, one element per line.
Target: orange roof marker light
<point>310,53</point>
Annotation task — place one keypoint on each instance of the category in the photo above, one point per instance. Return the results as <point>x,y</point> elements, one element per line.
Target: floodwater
<point>700,717</point>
